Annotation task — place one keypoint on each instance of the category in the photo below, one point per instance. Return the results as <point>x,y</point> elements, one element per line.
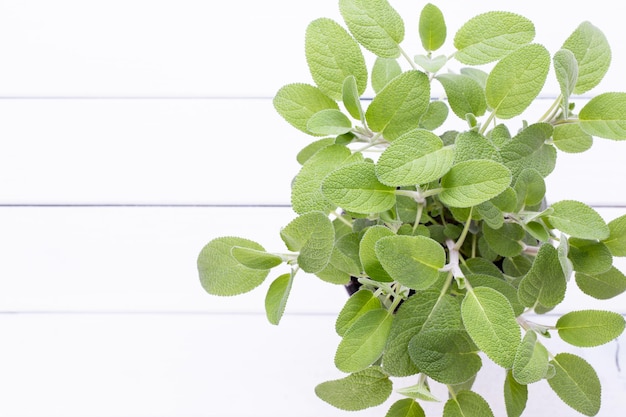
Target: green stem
<point>408,58</point>
<point>418,216</point>
<point>551,112</point>
<point>342,219</point>
<point>485,125</point>
<point>466,228</point>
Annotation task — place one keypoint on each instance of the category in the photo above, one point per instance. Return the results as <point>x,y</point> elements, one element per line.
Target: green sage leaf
<point>332,55</point>
<point>515,396</point>
<point>313,236</point>
<point>530,188</point>
<point>222,274</point>
<point>605,116</point>
<point>329,122</point>
<point>358,391</point>
<point>616,242</point>
<point>312,148</point>
<point>490,321</point>
<point>593,54</point>
<point>375,24</point>
<point>528,150</point>
<point>544,284</point>
<point>472,145</point>
<point>566,69</point>
<point>396,108</point>
<point>356,188</point>
<point>255,259</point>
<point>431,64</point>
<point>531,360</point>
<point>467,404</point>
<point>406,407</point>
<point>571,138</point>
<point>435,115</point>
<point>357,305</point>
<point>589,256</point>
<point>364,341</point>
<point>296,103</point>
<point>517,80</point>
<point>472,182</point>
<point>448,356</point>
<point>351,98</point>
<point>589,328</point>
<point>500,285</point>
<point>383,71</point>
<point>432,28</point>
<point>578,220</point>
<point>576,383</point>
<point>602,286</point>
<point>490,36</point>
<point>505,241</point>
<point>417,157</point>
<point>465,95</point>
<point>276,297</point>
<point>367,253</point>
<point>413,261</point>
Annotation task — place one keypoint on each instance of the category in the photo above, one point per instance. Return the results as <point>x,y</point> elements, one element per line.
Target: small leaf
<point>255,259</point>
<point>351,98</point>
<point>476,74</point>
<point>588,328</point>
<point>490,321</point>
<point>417,157</point>
<point>333,55</point>
<point>593,53</point>
<point>578,220</point>
<point>346,254</point>
<point>605,116</point>
<point>528,150</point>
<point>498,284</point>
<point>356,188</point>
<point>515,396</point>
<point>431,64</point>
<point>602,286</point>
<point>505,241</point>
<point>490,36</point>
<point>364,341</point>
<point>446,355</point>
<point>357,305</point>
<point>576,383</point>
<point>367,253</point>
<point>306,191</point>
<point>384,70</point>
<point>296,103</point>
<point>571,138</point>
<point>435,116</point>
<point>312,234</point>
<point>413,261</point>
<point>589,256</point>
<point>616,242</point>
<point>396,108</point>
<point>406,408</point>
<point>312,148</point>
<point>545,283</point>
<point>472,182</point>
<point>375,24</point>
<point>531,360</point>
<point>517,80</point>
<point>530,188</point>
<point>329,122</point>
<point>432,28</point>
<point>467,404</point>
<point>358,391</point>
<point>472,145</point>
<point>276,297</point>
<point>566,69</point>
<point>419,391</point>
<point>222,274</point>
<point>465,94</point>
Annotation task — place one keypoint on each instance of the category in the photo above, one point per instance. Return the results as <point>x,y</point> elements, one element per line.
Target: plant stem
<point>408,58</point>
<point>461,240</point>
<point>418,216</point>
<point>551,112</point>
<point>485,125</point>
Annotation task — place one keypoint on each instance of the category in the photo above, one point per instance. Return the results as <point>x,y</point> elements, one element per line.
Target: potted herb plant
<point>445,238</point>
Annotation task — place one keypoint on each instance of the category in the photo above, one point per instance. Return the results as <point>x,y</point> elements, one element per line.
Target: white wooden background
<point>133,132</point>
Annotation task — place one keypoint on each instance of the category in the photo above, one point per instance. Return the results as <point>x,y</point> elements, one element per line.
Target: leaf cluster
<point>448,233</point>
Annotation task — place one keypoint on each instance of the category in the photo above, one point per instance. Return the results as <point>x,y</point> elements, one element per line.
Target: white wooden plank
<point>199,47</point>
<point>202,152</point>
<point>144,259</point>
<point>214,365</point>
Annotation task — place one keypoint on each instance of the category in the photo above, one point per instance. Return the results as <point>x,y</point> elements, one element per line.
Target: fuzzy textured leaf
<point>222,274</point>
<point>571,138</point>
<point>367,253</point>
<point>276,297</point>
<point>358,391</point>
<point>602,286</point>
<point>255,259</point>
<point>588,328</point>
<point>312,234</point>
<point>576,383</point>
<point>528,150</point>
<point>432,28</point>
<point>490,36</point>
<point>593,54</point>
<point>472,182</point>
<point>356,306</point>
<point>467,404</point>
<point>465,95</point>
<point>604,116</point>
<point>296,103</point>
<point>329,122</point>
<point>531,360</point>
<point>566,69</point>
<point>397,107</point>
<point>490,321</point>
<point>384,70</point>
<point>375,24</point>
<point>515,396</point>
<point>616,242</point>
<point>406,407</point>
<point>545,283</point>
<point>578,220</point>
